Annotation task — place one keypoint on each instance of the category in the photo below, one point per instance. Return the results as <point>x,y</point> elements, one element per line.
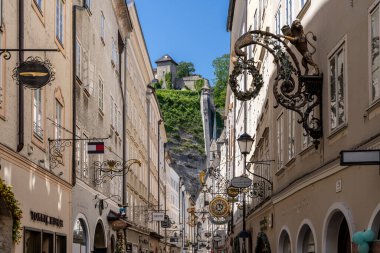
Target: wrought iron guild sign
<point>34,73</point>
<point>112,168</point>
<point>294,90</point>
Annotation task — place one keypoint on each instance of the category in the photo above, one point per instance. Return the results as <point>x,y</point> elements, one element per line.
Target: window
<point>39,4</point>
<point>291,134</point>
<point>88,4</point>
<point>37,114</point>
<point>37,241</point>
<point>101,94</point>
<point>77,153</point>
<point>375,59</point>
<point>60,244</point>
<point>102,27</point>
<point>78,60</point>
<point>58,120</point>
<point>115,56</point>
<point>278,21</point>
<point>337,89</point>
<point>32,241</point>
<point>59,22</point>
<point>280,141</point>
<point>289,11</point>
<point>80,237</point>
<point>112,113</point>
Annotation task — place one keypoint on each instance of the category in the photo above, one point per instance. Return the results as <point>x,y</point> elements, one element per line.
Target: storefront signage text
<point>48,220</point>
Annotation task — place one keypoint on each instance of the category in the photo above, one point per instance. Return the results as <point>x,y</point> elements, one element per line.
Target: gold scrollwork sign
<point>219,207</point>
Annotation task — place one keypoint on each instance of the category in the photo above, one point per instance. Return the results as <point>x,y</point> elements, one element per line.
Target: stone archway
<point>338,238</point>
<point>262,243</point>
<point>100,245</point>
<point>6,225</point>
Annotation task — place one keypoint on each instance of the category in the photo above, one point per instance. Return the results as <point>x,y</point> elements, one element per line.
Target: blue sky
<point>187,30</point>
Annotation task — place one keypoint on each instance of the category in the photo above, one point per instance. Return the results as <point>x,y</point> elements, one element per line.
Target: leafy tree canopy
<point>185,69</point>
<point>221,65</point>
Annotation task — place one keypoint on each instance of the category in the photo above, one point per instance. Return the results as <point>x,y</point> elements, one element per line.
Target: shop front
<point>137,241</point>
<point>35,214</point>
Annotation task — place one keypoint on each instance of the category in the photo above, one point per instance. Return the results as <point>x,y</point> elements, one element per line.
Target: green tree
<point>185,69</point>
<point>168,81</point>
<point>221,65</point>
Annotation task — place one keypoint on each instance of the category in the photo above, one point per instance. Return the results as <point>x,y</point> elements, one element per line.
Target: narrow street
<point>140,126</point>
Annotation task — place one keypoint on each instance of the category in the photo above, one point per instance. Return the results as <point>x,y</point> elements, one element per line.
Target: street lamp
<point>245,142</point>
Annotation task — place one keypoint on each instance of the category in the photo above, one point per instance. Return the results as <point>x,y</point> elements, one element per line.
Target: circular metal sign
<point>241,182</point>
<point>34,73</point>
<point>219,207</point>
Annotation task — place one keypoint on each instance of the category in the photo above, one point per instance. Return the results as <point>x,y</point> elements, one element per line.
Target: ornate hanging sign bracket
<point>292,89</point>
<point>109,169</point>
<point>58,146</point>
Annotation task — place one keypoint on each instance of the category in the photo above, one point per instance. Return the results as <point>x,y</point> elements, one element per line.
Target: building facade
<point>314,204</point>
<point>30,121</point>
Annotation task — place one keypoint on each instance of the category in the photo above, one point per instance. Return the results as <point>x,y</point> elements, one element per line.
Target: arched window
<point>308,245</point>
<point>284,243</point>
<point>80,237</point>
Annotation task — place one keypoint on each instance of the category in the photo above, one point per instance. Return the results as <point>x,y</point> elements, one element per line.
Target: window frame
<point>289,12</point>
<point>341,46</point>
<point>277,20</point>
<point>375,7</point>
<point>78,67</point>
<point>291,135</point>
<point>280,141</point>
<point>101,95</point>
<point>102,28</point>
<point>38,116</point>
<point>60,22</point>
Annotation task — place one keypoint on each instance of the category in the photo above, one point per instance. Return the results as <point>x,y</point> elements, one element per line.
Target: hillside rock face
<point>183,122</point>
<point>187,161</point>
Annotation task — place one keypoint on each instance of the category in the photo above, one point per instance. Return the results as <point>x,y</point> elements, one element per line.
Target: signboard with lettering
<point>119,224</point>
<point>158,216</point>
<point>48,220</point>
<point>241,182</point>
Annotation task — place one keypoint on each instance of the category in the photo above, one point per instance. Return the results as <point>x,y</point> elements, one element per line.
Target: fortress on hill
<point>166,73</point>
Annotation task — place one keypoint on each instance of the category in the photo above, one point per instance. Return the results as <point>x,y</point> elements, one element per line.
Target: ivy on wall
<point>13,205</point>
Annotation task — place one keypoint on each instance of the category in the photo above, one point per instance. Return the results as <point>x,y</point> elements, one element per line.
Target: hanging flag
<point>95,147</point>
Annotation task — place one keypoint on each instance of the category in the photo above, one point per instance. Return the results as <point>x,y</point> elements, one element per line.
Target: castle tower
<point>166,65</point>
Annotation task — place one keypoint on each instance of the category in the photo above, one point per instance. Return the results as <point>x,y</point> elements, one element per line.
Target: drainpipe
<point>158,168</point>
<point>20,145</point>
<point>74,130</point>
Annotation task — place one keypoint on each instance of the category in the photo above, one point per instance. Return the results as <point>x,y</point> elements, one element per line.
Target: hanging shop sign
<point>232,191</point>
<point>119,224</point>
<point>219,221</point>
<point>157,216</point>
<point>48,220</point>
<point>95,147</point>
<point>219,207</point>
<point>34,73</point>
<point>241,182</point>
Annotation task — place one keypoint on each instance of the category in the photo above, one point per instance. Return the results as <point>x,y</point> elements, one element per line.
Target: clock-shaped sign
<point>219,207</point>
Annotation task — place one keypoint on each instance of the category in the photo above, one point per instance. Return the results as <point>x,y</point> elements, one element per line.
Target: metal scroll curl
<point>292,90</point>
<point>107,170</point>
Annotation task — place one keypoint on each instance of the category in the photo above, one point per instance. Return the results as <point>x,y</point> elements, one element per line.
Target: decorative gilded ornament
<point>219,207</point>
